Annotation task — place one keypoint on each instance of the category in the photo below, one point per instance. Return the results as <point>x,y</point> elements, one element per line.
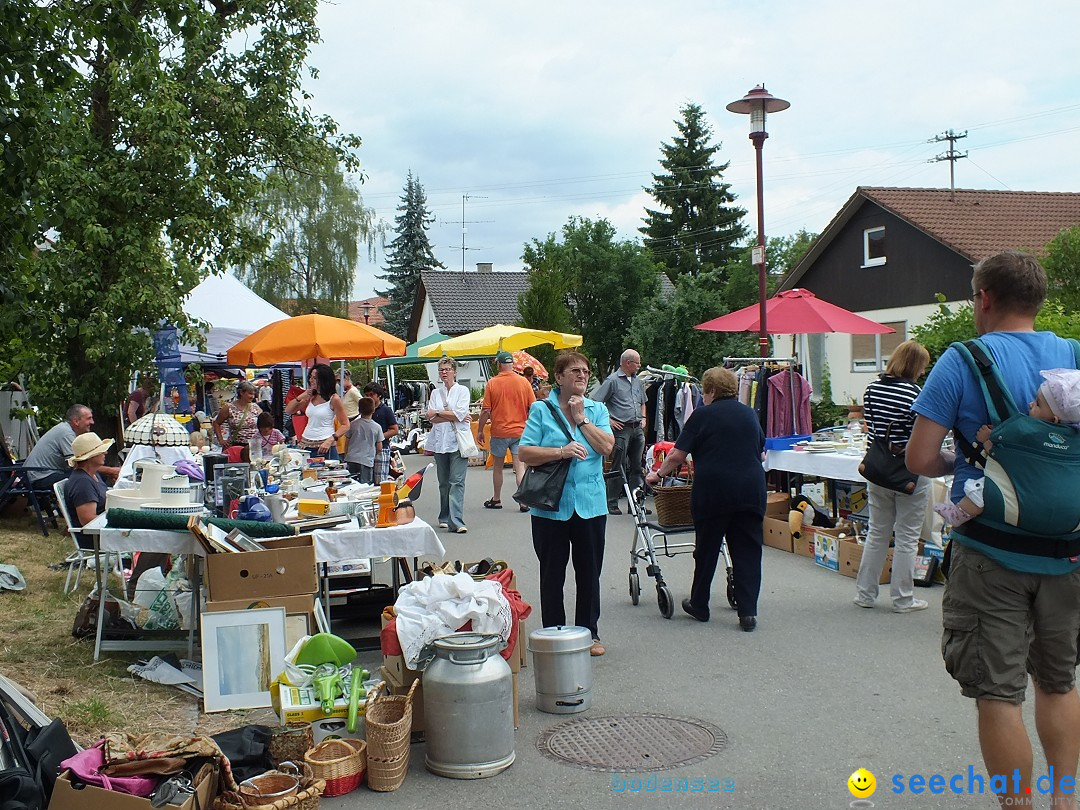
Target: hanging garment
<point>789,396</point>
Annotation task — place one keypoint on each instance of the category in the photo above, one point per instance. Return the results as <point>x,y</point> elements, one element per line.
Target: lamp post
<point>757,103</point>
<point>366,311</point>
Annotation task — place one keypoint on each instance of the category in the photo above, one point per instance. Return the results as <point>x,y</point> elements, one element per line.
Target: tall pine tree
<point>696,229</point>
<point>407,255</point>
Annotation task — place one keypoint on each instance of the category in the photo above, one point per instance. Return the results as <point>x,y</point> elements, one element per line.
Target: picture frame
<point>243,651</point>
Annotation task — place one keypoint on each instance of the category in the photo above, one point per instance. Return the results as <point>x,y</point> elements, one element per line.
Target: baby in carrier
<point>1057,401</point>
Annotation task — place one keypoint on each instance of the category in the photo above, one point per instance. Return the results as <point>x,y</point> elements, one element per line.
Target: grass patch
<point>90,712</point>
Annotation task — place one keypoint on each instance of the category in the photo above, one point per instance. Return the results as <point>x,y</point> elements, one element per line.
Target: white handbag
<point>466,446</point>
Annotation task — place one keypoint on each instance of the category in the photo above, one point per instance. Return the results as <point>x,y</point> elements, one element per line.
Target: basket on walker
<point>673,503</point>
<point>388,722</point>
<point>341,763</point>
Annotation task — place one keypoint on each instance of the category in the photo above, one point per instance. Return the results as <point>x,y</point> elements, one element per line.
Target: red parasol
<point>796,312</point>
<point>522,358</point>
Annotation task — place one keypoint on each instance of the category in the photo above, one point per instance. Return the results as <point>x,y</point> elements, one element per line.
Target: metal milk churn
<point>469,707</point>
<point>562,668</point>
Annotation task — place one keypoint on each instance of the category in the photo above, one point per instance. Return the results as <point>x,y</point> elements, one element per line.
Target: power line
<point>951,155</point>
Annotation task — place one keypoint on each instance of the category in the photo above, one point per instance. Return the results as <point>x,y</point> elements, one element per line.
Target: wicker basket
<point>673,505</point>
<point>311,789</point>
<point>388,722</point>
<point>385,775</point>
<point>289,743</point>
<point>340,762</point>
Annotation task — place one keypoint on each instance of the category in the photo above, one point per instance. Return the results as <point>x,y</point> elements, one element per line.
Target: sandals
<point>522,507</point>
<point>597,649</point>
<point>493,504</point>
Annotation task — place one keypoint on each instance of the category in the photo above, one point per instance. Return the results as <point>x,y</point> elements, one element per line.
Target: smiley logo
<point>862,784</point>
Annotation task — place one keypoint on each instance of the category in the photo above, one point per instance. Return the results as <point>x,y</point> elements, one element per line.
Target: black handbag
<point>886,466</point>
<point>541,486</point>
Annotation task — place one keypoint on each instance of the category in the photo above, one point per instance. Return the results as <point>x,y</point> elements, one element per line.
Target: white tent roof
<point>233,312</point>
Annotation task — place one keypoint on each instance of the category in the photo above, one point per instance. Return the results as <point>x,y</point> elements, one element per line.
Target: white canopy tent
<point>233,312</point>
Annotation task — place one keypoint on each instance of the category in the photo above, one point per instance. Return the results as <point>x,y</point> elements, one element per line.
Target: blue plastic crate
<point>784,442</point>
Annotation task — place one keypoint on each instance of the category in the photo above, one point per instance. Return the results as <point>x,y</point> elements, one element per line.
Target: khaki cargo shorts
<point>1001,625</point>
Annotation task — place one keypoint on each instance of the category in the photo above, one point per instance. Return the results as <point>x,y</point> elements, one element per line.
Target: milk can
<point>469,707</point>
<point>562,668</point>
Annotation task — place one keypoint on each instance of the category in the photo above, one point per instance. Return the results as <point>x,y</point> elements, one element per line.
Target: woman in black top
<point>84,490</point>
<point>888,400</point>
<point>728,500</point>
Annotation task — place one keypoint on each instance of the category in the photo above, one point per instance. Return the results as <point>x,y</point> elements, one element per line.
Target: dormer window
<point>874,246</point>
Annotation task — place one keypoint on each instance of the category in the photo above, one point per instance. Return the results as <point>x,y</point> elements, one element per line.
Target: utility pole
<point>951,155</point>
<point>465,222</point>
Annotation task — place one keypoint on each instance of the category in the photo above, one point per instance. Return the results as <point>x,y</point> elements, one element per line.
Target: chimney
<point>483,267</point>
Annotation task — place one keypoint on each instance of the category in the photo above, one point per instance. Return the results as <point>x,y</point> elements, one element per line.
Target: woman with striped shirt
<point>888,401</point>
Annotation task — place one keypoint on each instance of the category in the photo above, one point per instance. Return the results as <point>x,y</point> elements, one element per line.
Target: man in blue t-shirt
<point>1006,614</point>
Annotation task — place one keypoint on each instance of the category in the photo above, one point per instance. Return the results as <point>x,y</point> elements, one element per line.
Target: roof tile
<point>465,302</point>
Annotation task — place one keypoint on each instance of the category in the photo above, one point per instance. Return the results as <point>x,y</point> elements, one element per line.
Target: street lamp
<point>366,311</point>
<point>757,103</point>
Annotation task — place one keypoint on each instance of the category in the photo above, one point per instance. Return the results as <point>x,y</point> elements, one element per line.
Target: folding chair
<point>15,481</point>
<point>77,559</point>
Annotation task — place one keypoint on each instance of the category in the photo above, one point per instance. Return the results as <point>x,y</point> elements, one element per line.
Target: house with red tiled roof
<point>889,252</point>
<point>368,310</point>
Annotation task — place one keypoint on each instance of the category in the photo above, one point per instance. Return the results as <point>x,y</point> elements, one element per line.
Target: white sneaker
<point>444,525</point>
<point>862,602</point>
<point>916,604</point>
<point>462,530</point>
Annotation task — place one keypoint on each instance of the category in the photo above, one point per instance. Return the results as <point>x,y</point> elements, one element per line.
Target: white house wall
<point>469,373</point>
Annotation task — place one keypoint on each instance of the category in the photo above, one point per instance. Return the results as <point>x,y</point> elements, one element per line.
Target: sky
<point>542,111</point>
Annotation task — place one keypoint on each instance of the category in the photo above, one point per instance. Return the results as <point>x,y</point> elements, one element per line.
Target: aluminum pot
<point>469,707</point>
<point>562,668</point>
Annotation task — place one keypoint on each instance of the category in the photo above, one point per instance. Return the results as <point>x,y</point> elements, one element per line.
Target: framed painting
<point>243,651</point>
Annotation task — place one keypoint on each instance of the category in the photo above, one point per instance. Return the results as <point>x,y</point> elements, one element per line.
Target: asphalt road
<point>821,689</point>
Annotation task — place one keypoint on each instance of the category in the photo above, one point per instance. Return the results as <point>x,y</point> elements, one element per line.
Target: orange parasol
<point>522,358</point>
<point>307,336</point>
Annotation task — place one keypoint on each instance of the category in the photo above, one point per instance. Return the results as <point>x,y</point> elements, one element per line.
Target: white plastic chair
<point>78,558</point>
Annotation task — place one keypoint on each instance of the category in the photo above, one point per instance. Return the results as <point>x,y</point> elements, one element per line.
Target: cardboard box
<point>849,557</point>
<point>285,568</point>
<point>803,545</point>
<point>66,796</point>
<point>777,534</point>
<point>299,613</point>
<point>826,550</point>
<point>396,673</point>
<point>851,499</point>
<point>301,705</point>
<point>777,505</point>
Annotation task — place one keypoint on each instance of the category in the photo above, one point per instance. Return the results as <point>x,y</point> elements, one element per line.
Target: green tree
<point>605,283</point>
<point>134,134</point>
<point>543,305</point>
<point>782,253</point>
<point>315,220</point>
<point>407,256</point>
<point>1062,263</point>
<point>696,227</point>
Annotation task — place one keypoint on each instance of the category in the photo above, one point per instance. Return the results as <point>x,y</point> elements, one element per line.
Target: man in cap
<point>624,396</point>
<point>53,450</point>
<point>507,399</point>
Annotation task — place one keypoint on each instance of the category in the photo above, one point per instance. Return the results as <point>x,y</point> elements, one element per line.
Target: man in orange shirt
<point>507,400</point>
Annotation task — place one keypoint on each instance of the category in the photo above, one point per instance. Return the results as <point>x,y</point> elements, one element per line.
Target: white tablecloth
<point>348,542</point>
<point>837,466</point>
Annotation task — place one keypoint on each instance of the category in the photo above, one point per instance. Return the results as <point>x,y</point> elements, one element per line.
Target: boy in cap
<point>1057,401</point>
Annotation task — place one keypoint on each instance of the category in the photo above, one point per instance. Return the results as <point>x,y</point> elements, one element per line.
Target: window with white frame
<point>872,352</point>
<point>874,246</point>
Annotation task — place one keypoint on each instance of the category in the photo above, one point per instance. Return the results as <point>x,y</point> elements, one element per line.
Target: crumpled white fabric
<point>437,606</point>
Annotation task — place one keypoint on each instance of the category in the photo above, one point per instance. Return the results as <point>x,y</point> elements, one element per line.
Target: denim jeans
<point>451,468</point>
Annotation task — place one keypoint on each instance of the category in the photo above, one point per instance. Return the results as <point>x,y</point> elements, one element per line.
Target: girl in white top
<point>448,411</point>
<point>322,406</point>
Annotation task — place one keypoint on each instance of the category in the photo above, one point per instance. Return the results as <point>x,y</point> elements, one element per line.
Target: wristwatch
<point>584,421</point>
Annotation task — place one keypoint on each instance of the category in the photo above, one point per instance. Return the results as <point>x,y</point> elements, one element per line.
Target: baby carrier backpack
<point>1032,473</point>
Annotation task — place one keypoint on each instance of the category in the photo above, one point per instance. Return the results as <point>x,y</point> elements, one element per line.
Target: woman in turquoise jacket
<point>578,527</point>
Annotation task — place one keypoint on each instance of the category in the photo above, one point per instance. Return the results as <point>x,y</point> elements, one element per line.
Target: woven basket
<point>340,762</point>
<point>389,724</point>
<point>385,775</point>
<point>289,743</point>
<point>307,799</point>
<point>673,505</point>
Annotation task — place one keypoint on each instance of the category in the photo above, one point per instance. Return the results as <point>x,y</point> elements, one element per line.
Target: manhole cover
<point>632,742</point>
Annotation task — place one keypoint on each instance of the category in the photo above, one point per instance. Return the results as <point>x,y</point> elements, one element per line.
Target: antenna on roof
<point>465,222</point>
<point>951,155</point>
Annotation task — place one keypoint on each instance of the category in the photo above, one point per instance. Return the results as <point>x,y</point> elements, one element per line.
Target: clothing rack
<point>791,363</point>
<point>677,375</point>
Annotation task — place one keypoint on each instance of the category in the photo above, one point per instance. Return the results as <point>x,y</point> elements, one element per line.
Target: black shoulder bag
<point>886,466</point>
<point>542,486</point>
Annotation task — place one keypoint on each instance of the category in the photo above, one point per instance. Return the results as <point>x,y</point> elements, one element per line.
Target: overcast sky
<point>542,111</point>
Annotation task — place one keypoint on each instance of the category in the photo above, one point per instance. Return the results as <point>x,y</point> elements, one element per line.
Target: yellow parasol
<point>493,339</point>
